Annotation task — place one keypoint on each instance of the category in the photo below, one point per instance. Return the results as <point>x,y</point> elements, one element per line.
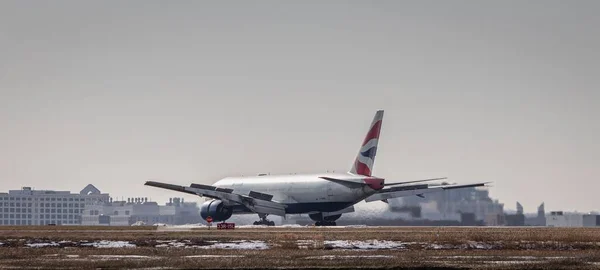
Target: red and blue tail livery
<point>363,164</point>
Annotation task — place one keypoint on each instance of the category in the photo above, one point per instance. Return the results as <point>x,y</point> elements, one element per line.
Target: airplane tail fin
<point>363,164</point>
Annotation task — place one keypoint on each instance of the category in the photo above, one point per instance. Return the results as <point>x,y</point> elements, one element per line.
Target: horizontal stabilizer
<point>419,190</point>
<point>401,193</point>
<point>465,186</point>
<point>415,181</point>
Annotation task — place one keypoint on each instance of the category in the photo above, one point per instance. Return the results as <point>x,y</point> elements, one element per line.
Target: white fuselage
<point>301,193</point>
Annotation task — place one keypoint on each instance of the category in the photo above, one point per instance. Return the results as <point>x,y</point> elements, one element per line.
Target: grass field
<point>304,247</point>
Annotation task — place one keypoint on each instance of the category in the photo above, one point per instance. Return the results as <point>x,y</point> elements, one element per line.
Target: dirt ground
<point>80,247</point>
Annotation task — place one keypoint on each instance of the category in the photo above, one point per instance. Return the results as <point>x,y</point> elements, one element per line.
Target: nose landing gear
<point>264,221</point>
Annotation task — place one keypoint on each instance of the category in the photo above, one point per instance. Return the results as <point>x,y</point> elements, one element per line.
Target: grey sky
<point>117,92</point>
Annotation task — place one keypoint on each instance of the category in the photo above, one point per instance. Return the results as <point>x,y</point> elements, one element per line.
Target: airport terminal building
<point>42,207</point>
<point>89,207</point>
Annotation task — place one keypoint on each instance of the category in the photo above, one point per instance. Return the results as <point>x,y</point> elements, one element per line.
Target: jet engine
<point>215,209</point>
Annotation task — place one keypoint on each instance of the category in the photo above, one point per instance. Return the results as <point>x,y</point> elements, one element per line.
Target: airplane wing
<point>415,181</point>
<point>256,202</point>
<point>419,190</point>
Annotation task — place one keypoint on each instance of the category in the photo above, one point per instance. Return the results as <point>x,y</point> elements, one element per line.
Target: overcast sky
<point>114,93</point>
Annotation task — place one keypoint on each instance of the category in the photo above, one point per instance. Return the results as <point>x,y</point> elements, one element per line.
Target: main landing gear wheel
<point>264,221</point>
<point>325,223</point>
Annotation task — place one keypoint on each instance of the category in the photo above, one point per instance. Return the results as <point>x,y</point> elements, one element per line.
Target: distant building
<point>125,213</point>
<point>539,219</point>
<point>516,219</point>
<point>494,219</point>
<point>562,219</point>
<point>41,207</point>
<point>454,205</point>
<point>519,208</point>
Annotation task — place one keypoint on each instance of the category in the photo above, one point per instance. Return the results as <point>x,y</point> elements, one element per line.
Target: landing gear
<point>324,221</point>
<point>264,221</point>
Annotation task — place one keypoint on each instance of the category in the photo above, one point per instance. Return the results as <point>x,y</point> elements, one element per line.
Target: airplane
<point>324,197</point>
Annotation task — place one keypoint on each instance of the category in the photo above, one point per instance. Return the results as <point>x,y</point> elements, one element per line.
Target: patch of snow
<point>368,244</point>
<point>175,244</point>
<point>185,227</point>
<point>438,246</point>
<point>252,226</point>
<point>72,256</point>
<point>109,244</point>
<point>1,244</point>
<point>109,257</point>
<point>51,255</point>
<point>485,257</point>
<point>277,226</point>
<point>237,245</point>
<point>469,245</point>
<point>346,244</point>
<point>510,262</point>
<point>214,256</point>
<point>291,226</point>
<point>39,245</point>
<point>196,225</point>
<point>479,245</point>
<point>331,257</point>
<point>356,226</point>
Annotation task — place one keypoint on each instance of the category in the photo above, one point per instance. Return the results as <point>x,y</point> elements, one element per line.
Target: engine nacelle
<point>215,209</point>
